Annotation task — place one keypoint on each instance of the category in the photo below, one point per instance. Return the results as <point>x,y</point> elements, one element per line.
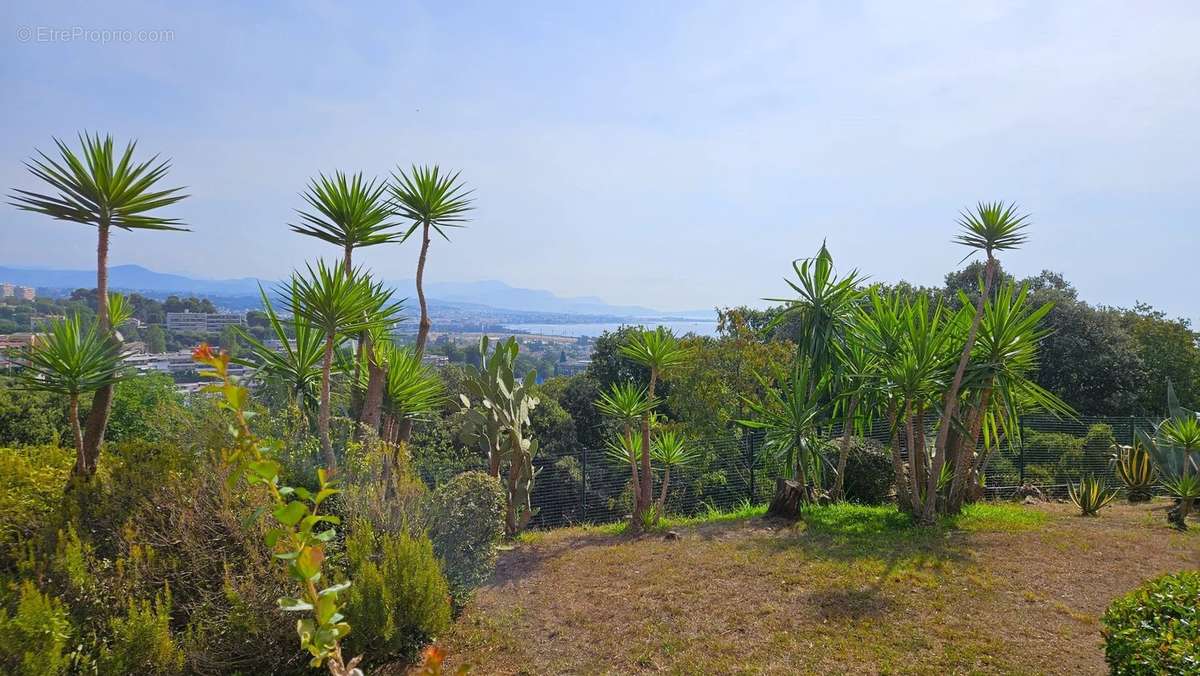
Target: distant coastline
<point>700,327</point>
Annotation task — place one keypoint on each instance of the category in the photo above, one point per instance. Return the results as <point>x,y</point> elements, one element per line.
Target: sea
<point>699,327</point>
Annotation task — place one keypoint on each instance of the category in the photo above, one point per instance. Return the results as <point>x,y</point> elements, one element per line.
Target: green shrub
<point>466,523</point>
<point>140,642</point>
<point>34,477</point>
<point>29,418</point>
<point>32,640</point>
<point>399,600</point>
<point>869,473</point>
<point>1099,441</point>
<point>1040,475</point>
<point>1155,629</point>
<point>202,539</point>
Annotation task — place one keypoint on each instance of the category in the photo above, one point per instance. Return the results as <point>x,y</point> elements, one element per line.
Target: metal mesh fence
<point>588,487</point>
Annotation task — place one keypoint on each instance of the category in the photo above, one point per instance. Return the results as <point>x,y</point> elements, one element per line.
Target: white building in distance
<point>203,322</point>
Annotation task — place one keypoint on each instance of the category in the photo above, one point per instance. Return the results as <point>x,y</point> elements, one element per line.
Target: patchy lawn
<point>1003,589</point>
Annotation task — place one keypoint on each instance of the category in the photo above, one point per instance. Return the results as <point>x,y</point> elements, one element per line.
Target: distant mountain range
<point>487,293</point>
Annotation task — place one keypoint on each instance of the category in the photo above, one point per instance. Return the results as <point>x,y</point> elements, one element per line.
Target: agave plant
<point>71,359</point>
<point>1175,448</point>
<point>1091,495</point>
<point>1135,470</point>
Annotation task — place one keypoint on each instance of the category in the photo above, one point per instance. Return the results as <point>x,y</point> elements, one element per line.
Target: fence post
<point>1021,449</point>
<point>750,462</point>
<point>583,492</point>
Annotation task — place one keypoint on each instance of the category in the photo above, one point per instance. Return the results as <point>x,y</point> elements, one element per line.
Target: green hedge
<point>1155,629</point>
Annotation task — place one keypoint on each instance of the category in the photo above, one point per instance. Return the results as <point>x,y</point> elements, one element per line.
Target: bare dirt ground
<point>1014,590</point>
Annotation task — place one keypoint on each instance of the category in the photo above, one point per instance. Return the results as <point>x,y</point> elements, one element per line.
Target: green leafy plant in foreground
<point>1155,629</point>
<point>1091,495</point>
<point>295,539</point>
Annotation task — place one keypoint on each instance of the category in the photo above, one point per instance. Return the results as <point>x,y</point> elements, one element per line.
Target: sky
<point>677,155</point>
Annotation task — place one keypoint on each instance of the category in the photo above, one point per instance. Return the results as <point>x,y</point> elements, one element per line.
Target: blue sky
<point>677,155</point>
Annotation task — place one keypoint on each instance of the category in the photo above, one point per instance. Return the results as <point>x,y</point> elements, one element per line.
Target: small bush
<point>32,640</point>
<point>141,641</point>
<point>34,477</point>
<point>869,473</point>
<point>466,523</point>
<point>399,600</point>
<point>1155,629</point>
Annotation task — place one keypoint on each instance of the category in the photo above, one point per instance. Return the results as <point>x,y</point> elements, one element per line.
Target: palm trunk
<point>635,482</point>
<point>425,324</point>
<point>914,462</point>
<point>97,421</point>
<point>323,413</point>
<point>372,406</point>
<point>801,474</point>
<point>646,489</point>
<point>902,497</point>
<point>81,464</point>
<point>844,451</point>
<point>965,464</point>
<point>950,407</point>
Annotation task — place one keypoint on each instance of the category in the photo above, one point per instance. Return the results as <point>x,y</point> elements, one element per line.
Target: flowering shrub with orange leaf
<point>432,664</point>
<point>302,532</point>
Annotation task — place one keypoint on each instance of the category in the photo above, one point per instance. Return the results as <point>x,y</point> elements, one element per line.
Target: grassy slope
<point>1002,589</point>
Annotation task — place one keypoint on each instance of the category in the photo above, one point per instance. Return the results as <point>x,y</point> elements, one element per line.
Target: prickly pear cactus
<point>497,409</point>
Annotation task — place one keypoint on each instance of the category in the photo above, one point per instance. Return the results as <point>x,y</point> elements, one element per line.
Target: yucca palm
<point>660,352</point>
<point>789,415</point>
<point>434,201</point>
<point>671,449</point>
<point>414,390</point>
<point>337,304</point>
<point>853,375</point>
<point>991,227</point>
<point>71,360</point>
<point>351,212</point>
<point>1000,383</point>
<point>100,188</point>
<point>912,342</point>
<point>297,366</point>
<point>626,404</point>
<point>825,305</point>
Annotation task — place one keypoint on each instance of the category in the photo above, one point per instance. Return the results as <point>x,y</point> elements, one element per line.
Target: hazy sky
<point>677,155</point>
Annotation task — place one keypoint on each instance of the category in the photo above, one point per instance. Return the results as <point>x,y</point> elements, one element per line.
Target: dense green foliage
<point>399,599</point>
<point>869,476</point>
<point>1155,629</point>
<point>466,524</point>
<point>35,638</point>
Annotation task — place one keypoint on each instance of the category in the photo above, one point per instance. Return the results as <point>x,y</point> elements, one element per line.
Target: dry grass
<point>1005,589</point>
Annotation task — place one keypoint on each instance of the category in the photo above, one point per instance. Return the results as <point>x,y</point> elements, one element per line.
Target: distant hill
<point>488,293</point>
